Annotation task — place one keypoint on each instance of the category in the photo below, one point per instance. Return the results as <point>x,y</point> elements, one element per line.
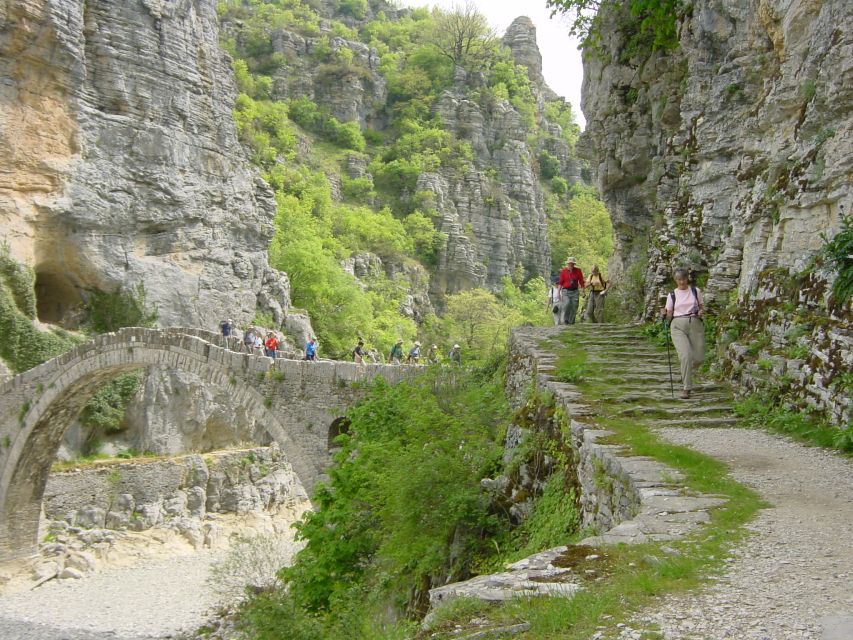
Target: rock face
<point>492,210</point>
<point>142,494</point>
<point>120,163</point>
<point>732,155</point>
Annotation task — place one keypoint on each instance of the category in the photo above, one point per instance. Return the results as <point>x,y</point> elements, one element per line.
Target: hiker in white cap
<point>571,282</point>
<point>455,354</point>
<point>414,353</point>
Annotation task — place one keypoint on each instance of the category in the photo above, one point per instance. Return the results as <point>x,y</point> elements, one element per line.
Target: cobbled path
<point>793,579</point>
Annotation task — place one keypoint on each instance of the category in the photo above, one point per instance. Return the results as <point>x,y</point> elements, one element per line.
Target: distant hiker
<point>597,287</point>
<point>432,354</point>
<point>358,352</point>
<point>396,355</point>
<point>271,345</point>
<point>226,327</point>
<point>259,342</point>
<point>685,309</point>
<point>414,353</point>
<point>554,299</point>
<point>249,339</point>
<point>455,355</point>
<point>571,282</point>
<point>311,349</point>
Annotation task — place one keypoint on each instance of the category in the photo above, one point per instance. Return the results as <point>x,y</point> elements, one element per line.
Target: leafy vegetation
<point>581,228</point>
<point>646,25</point>
<point>24,345</point>
<point>760,411</point>
<point>839,254</point>
<point>104,413</point>
<point>111,310</point>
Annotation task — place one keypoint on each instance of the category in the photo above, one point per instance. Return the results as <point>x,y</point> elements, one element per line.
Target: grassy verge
<point>759,412</point>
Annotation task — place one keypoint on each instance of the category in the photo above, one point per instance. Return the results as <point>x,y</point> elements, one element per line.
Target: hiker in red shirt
<point>571,282</point>
<point>271,345</point>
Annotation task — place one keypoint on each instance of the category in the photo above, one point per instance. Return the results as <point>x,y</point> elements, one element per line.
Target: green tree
<point>581,228</point>
<point>464,36</point>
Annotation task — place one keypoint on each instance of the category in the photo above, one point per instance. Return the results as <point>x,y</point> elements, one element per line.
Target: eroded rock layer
<point>119,162</point>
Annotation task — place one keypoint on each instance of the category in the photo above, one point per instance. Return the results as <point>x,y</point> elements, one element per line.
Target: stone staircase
<point>625,375</point>
<point>639,374</point>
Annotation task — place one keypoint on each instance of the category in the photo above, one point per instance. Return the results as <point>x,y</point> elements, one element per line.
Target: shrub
<point>112,310</point>
<point>839,254</point>
<point>23,345</point>
<point>549,165</point>
<point>252,563</point>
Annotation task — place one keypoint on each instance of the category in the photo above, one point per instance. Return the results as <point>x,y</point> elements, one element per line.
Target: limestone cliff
<point>732,155</point>
<point>491,207</point>
<point>493,210</point>
<point>119,162</point>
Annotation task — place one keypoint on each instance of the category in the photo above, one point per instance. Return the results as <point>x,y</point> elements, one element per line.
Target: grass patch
<point>758,412</point>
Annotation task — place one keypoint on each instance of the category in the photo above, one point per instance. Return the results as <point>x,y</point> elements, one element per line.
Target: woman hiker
<point>597,286</point>
<point>684,309</point>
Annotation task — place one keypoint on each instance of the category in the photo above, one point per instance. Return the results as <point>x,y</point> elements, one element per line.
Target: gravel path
<point>793,579</point>
<point>156,600</point>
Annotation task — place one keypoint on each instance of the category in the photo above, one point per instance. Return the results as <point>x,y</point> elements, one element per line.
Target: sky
<point>561,60</point>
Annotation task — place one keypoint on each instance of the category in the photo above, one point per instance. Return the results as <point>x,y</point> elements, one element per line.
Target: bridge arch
<point>37,407</point>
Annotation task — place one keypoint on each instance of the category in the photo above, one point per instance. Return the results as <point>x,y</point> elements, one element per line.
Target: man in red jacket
<point>571,282</point>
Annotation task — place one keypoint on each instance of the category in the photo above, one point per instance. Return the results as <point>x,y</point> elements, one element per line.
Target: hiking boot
<point>685,394</point>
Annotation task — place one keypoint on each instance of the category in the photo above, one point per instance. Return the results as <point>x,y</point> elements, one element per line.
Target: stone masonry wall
<point>144,493</point>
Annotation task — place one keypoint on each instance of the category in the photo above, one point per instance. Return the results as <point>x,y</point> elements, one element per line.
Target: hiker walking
<point>597,288</point>
<point>311,349</point>
<point>396,355</point>
<point>249,339</point>
<point>432,354</point>
<point>226,327</point>
<point>571,282</point>
<point>684,309</point>
<point>358,352</point>
<point>455,355</point>
<point>414,353</point>
<point>554,299</point>
<point>271,345</point>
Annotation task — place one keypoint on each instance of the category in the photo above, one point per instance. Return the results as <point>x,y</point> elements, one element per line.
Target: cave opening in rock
<point>56,297</point>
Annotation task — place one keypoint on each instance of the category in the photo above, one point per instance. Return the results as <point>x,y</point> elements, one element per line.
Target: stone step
<point>656,397</point>
<point>675,408</point>
<point>730,421</point>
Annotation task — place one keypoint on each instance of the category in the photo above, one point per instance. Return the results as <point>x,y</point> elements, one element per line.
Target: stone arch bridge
<point>296,401</point>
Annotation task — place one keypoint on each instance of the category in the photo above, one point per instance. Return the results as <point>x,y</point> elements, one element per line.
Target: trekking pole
<point>668,357</point>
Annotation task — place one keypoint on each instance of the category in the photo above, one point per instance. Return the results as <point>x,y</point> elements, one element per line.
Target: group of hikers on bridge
<point>258,341</point>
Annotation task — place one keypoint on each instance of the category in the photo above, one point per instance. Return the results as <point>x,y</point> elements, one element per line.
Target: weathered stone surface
<point>121,163</point>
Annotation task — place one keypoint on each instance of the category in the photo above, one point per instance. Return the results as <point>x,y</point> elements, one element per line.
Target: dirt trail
<point>793,579</point>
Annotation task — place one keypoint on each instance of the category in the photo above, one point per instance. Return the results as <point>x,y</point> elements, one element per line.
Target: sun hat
<point>455,346</point>
<point>400,341</point>
<point>417,344</point>
<point>571,259</point>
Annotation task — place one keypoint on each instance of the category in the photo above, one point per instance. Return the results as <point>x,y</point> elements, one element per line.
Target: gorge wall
<point>731,154</point>
<point>120,163</point>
